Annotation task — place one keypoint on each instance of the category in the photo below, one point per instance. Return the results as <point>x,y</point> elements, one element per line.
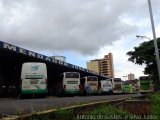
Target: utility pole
<point>155,40</point>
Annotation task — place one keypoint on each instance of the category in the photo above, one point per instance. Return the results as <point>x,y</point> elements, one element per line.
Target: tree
<point>145,54</point>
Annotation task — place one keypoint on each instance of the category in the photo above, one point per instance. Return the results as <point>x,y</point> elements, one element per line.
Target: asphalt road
<point>25,106</point>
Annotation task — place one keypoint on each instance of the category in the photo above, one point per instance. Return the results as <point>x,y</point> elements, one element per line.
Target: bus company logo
<point>35,67</point>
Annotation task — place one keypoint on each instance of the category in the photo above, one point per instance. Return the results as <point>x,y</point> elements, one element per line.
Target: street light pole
<point>139,36</point>
<point>155,40</point>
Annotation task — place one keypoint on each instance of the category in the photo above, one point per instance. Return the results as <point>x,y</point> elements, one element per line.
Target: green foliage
<point>107,109</point>
<point>103,111</point>
<point>145,54</point>
<point>63,115</point>
<point>156,99</point>
<point>156,105</point>
<point>57,115</point>
<point>108,112</point>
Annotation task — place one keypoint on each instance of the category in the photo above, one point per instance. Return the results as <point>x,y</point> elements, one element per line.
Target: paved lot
<point>25,106</point>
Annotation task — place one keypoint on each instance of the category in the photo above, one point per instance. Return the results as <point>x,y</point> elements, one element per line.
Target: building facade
<point>131,76</point>
<point>103,66</point>
<point>93,65</point>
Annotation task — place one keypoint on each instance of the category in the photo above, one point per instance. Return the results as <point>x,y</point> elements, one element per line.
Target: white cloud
<point>61,25</point>
<point>88,28</point>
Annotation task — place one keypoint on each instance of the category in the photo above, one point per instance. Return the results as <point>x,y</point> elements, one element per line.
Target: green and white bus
<point>106,86</point>
<point>127,87</point>
<point>34,78</point>
<point>144,84</point>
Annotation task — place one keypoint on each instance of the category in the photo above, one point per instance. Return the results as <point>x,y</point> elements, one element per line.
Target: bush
<point>156,105</point>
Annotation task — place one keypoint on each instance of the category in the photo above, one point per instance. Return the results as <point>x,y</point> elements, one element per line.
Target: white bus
<point>69,83</point>
<point>106,86</point>
<point>117,86</point>
<point>93,81</point>
<point>34,78</point>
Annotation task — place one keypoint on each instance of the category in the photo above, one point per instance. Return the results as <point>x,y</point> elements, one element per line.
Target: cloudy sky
<point>81,30</point>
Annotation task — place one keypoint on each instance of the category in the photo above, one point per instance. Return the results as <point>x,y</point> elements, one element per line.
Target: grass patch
<point>107,109</point>
<point>106,112</point>
<point>156,105</point>
<point>57,115</point>
<point>101,112</point>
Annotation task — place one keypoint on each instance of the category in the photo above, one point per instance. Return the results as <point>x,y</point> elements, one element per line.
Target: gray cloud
<point>83,26</point>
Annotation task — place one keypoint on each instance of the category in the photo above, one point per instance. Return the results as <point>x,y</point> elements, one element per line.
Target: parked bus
<point>144,84</point>
<point>69,83</point>
<point>34,78</point>
<point>106,86</point>
<point>117,86</point>
<point>127,87</point>
<point>93,81</point>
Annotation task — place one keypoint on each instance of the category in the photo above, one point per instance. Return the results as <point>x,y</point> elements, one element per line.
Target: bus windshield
<point>126,83</point>
<point>117,79</point>
<point>72,75</point>
<point>143,78</point>
<point>107,80</point>
<point>92,78</point>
